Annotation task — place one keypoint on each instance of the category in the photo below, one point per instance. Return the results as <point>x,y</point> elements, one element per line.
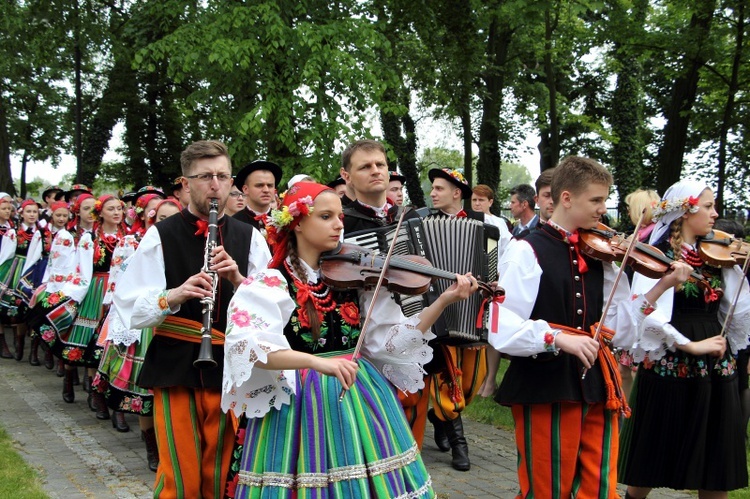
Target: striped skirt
<point>79,342</point>
<point>320,447</point>
<point>118,372</point>
<point>12,307</point>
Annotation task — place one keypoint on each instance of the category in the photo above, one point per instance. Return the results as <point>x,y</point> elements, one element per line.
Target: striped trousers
<point>565,450</point>
<point>195,440</point>
<point>467,367</point>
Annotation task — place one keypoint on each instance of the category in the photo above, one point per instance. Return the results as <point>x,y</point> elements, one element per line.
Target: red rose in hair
<point>350,313</point>
<point>693,201</point>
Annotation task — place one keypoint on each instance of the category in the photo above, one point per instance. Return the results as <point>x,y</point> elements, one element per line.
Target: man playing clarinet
<point>162,287</point>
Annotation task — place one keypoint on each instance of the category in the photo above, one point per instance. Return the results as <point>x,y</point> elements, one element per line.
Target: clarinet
<point>205,358</point>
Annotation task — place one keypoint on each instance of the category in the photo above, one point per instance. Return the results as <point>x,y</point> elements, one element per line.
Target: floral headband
<point>666,206</point>
<point>99,205</point>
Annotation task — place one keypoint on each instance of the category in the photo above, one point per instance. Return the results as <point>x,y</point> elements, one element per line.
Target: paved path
<point>80,457</point>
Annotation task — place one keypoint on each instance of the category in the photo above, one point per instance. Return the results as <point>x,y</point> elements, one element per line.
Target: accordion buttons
<point>577,278</point>
<point>579,327</point>
<point>579,311</point>
<point>575,262</point>
<point>578,295</point>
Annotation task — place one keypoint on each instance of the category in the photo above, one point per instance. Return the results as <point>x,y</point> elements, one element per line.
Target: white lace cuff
<point>254,392</point>
<point>403,356</point>
<point>737,331</point>
<point>655,335</point>
<point>118,333</point>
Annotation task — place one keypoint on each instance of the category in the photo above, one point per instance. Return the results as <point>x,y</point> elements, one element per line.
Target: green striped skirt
<point>79,342</point>
<point>118,372</point>
<point>12,307</point>
<point>320,447</point>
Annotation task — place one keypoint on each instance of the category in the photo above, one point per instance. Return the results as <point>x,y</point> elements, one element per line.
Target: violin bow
<point>612,291</point>
<point>730,314</point>
<point>381,278</point>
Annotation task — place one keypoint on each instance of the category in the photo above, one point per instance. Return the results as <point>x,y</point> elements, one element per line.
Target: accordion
<point>456,245</point>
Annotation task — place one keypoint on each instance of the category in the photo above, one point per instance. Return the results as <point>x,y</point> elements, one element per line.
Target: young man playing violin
<point>562,384</point>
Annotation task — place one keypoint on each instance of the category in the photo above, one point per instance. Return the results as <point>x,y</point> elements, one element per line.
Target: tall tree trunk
<point>80,174</point>
<point>467,141</point>
<point>24,162</point>
<point>627,110</point>
<point>726,119</point>
<point>553,125</point>
<point>6,177</point>
<point>488,164</point>
<point>684,93</point>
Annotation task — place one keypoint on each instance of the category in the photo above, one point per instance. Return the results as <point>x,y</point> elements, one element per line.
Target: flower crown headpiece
<point>282,219</point>
<point>665,206</point>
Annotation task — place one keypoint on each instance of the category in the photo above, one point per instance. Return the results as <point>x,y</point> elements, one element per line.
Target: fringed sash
<point>179,328</point>
<point>616,399</point>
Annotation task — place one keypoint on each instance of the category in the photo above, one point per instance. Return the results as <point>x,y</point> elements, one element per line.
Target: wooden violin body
<point>721,249</point>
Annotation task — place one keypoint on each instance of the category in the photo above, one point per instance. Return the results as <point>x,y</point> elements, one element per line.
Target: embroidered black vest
<point>169,362</point>
<point>565,297</point>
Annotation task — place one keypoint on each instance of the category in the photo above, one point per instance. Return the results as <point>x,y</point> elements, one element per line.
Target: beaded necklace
<point>319,293</point>
<point>691,256</point>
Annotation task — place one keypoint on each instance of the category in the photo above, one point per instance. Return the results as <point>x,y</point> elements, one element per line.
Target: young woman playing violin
<point>686,430</point>
<point>287,357</point>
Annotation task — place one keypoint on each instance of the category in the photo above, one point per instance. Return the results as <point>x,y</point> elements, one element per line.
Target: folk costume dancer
<point>463,370</point>
<point>14,303</point>
<point>685,400</point>
<point>125,349</point>
<point>258,181</point>
<point>161,288</point>
<point>68,276</point>
<point>288,355</point>
<point>364,170</point>
<point>566,425</point>
<point>7,251</point>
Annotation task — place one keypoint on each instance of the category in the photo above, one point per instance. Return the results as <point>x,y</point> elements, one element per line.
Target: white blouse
<point>258,313</point>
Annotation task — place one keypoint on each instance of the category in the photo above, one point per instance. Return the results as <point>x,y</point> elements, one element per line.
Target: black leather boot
<point>76,379</point>
<point>4,350</point>
<point>20,339</point>
<point>441,439</point>
<point>152,451</point>
<point>459,448</point>
<point>60,372</point>
<point>49,360</point>
<point>34,352</point>
<point>101,405</point>
<point>68,394</point>
<point>118,421</point>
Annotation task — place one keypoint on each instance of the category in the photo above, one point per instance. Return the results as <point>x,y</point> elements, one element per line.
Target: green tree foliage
<point>286,80</point>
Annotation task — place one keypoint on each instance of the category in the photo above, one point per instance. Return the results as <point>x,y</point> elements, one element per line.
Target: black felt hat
<point>80,188</point>
<point>50,190</point>
<point>397,176</point>
<point>455,177</point>
<point>338,181</point>
<point>258,164</point>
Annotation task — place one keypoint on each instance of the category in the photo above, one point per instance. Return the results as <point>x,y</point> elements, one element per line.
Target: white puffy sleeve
<point>8,245</point>
<point>256,317</point>
<point>125,249</point>
<point>738,329</point>
<point>62,261</point>
<point>511,331</point>
<point>77,284</point>
<point>654,334</point>
<point>393,343</point>
<point>259,253</point>
<point>140,293</point>
<point>35,251</point>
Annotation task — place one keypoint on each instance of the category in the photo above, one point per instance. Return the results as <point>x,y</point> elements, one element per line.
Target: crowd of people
<point>323,390</point>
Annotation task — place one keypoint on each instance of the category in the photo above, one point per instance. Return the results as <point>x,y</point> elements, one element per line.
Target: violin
<point>721,249</point>
<point>604,243</point>
<point>352,266</point>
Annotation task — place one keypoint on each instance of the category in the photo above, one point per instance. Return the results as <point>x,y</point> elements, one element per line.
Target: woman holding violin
<point>686,427</point>
<point>288,350</point>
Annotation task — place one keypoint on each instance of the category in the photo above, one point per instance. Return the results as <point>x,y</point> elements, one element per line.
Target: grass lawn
<point>17,479</point>
<point>486,410</point>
